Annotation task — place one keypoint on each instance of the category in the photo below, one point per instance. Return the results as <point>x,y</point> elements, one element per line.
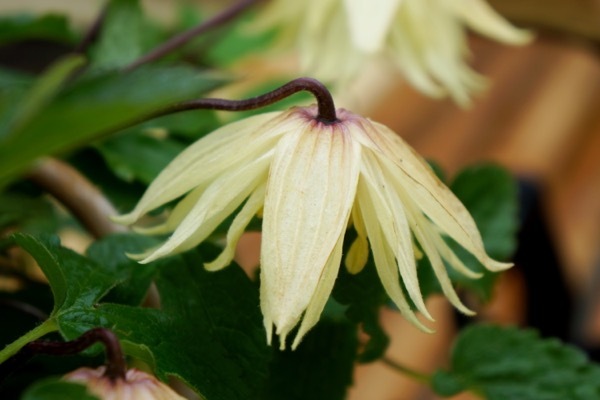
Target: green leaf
<point>207,333</point>
<point>29,213</point>
<point>509,363</point>
<point>75,280</point>
<point>25,27</point>
<point>125,35</point>
<point>97,104</point>
<point>42,92</point>
<point>55,389</point>
<point>139,156</point>
<point>110,253</point>
<point>320,368</point>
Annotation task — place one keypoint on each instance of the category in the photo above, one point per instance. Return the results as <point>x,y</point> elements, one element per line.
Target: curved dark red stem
<point>325,104</point>
<point>115,361</point>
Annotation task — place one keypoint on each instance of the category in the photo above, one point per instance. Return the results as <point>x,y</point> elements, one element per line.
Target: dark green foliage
<point>509,363</point>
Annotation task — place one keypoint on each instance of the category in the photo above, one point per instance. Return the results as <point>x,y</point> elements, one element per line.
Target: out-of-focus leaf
<point>508,363</point>
<point>41,93</point>
<point>139,156</point>
<point>98,104</point>
<point>238,40</point>
<point>30,214</point>
<point>46,27</point>
<point>126,35</point>
<point>320,368</point>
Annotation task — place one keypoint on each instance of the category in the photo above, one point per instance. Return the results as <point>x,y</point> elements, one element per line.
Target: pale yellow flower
<point>137,385</point>
<point>425,39</point>
<point>310,179</point>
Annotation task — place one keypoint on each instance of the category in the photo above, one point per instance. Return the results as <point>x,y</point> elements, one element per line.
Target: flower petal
<point>384,257</point>
<point>482,18</point>
<point>390,213</point>
<point>321,295</point>
<point>241,220</point>
<point>432,197</point>
<point>423,235</point>
<point>448,254</point>
<point>178,214</point>
<point>311,188</point>
<point>219,200</point>
<point>358,254</point>
<point>369,24</point>
<point>233,145</point>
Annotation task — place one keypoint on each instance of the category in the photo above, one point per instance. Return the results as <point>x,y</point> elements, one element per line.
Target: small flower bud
<point>137,385</point>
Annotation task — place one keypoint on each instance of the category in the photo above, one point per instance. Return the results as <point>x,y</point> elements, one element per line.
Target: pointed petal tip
<point>268,330</point>
<point>218,263</point>
<point>426,314</point>
<point>497,266</point>
<point>297,341</point>
<point>463,309</point>
<point>136,256</point>
<point>145,257</point>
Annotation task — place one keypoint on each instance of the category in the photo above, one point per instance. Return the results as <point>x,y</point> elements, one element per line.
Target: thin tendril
<point>325,104</point>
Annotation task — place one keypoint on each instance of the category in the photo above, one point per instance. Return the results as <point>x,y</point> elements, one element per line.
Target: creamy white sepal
<point>310,191</point>
<point>369,22</point>
<point>239,224</point>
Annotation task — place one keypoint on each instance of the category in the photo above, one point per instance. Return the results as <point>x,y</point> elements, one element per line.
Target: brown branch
<point>77,194</point>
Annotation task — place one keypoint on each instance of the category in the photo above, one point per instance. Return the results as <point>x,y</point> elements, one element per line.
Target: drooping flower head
<point>311,179</point>
<point>425,39</point>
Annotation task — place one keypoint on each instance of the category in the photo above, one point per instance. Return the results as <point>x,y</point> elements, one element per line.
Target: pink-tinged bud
<point>137,385</point>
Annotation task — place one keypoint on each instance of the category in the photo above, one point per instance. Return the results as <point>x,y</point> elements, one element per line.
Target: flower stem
<point>13,348</point>
<point>181,39</point>
<point>325,104</point>
<point>407,371</point>
<point>115,361</point>
<point>92,34</point>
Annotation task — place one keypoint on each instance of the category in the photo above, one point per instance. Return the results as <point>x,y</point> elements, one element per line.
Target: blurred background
<point>540,118</point>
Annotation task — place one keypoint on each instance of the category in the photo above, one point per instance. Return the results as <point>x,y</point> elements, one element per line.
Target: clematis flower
<point>313,179</point>
<point>425,39</point>
<point>137,385</point>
